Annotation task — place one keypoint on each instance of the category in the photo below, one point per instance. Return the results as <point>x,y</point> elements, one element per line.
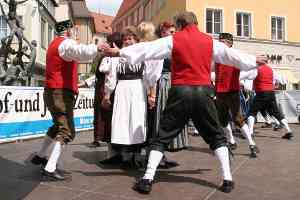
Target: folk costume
<point>130,83</point>
<point>61,87</point>
<point>265,99</point>
<point>190,96</point>
<point>227,86</point>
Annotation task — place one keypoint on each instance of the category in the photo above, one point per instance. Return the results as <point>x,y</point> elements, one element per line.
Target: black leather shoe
<point>288,136</point>
<point>37,160</point>
<point>52,176</point>
<point>143,186</point>
<point>232,146</point>
<point>253,151</point>
<point>227,186</point>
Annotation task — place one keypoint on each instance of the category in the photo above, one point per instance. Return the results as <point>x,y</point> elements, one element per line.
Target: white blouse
<point>152,72</point>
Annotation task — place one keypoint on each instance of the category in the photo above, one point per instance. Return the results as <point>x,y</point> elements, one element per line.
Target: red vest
<point>191,57</point>
<point>264,79</point>
<point>227,78</point>
<point>60,74</point>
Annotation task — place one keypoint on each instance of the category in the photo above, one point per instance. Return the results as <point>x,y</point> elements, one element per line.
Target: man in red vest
<point>59,95</point>
<point>227,86</point>
<point>191,94</point>
<point>265,99</point>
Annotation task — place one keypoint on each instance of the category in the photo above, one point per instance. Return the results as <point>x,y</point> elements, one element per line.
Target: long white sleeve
<point>143,51</point>
<point>232,57</point>
<point>152,72</point>
<point>248,75</point>
<point>110,76</point>
<point>69,50</point>
<point>162,48</point>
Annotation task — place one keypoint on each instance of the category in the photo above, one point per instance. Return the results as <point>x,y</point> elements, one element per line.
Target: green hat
<point>226,36</point>
<point>63,25</point>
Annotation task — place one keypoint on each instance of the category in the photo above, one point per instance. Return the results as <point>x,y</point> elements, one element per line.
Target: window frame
<point>43,34</point>
<point>242,24</point>
<point>284,33</point>
<point>222,21</point>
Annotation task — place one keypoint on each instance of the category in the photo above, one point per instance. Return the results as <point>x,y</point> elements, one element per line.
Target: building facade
<point>38,18</point>
<point>269,28</point>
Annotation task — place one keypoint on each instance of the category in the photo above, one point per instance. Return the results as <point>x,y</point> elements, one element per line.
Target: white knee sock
<point>286,125</point>
<point>276,121</point>
<point>53,159</point>
<point>228,131</point>
<point>246,132</point>
<point>223,156</point>
<point>153,162</point>
<point>251,121</point>
<point>46,144</point>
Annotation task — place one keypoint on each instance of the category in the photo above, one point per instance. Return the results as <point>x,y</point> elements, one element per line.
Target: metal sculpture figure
<point>14,71</point>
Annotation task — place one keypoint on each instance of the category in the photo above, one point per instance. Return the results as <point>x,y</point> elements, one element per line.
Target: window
<point>50,34</point>
<point>243,24</point>
<point>214,21</point>
<point>43,34</point>
<point>278,28</point>
<point>3,28</point>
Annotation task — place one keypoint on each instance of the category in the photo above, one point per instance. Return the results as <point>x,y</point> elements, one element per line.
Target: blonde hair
<point>146,31</point>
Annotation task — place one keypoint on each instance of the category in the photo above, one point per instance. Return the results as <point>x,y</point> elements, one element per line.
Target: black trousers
<point>190,102</point>
<point>265,101</point>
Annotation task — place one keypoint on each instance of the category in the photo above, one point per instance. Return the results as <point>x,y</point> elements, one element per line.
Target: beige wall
<point>169,9</point>
<point>261,15</point>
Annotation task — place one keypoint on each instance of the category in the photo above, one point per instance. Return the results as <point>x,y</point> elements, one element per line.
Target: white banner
<point>23,113</point>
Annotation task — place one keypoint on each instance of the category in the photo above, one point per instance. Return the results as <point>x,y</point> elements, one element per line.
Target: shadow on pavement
<point>17,180</point>
<point>92,157</point>
<point>200,149</point>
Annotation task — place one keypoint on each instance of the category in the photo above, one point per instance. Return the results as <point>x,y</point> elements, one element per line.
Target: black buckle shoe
<point>253,151</point>
<point>143,186</point>
<point>232,146</point>
<point>37,160</point>
<point>288,136</point>
<point>52,176</point>
<point>227,186</point>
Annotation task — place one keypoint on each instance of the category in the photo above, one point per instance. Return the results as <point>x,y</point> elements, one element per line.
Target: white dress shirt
<point>70,50</point>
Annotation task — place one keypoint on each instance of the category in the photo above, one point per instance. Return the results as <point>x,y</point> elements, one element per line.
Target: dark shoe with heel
<point>227,186</point>
<point>52,176</point>
<point>253,151</point>
<point>143,186</point>
<point>288,136</point>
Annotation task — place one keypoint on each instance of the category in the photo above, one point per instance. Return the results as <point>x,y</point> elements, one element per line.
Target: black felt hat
<point>63,25</point>
<point>226,36</point>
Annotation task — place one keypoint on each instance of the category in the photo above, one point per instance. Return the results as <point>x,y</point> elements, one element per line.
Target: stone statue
<point>12,66</point>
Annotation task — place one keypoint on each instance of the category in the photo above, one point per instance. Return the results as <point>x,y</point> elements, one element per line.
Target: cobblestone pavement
<point>274,175</point>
